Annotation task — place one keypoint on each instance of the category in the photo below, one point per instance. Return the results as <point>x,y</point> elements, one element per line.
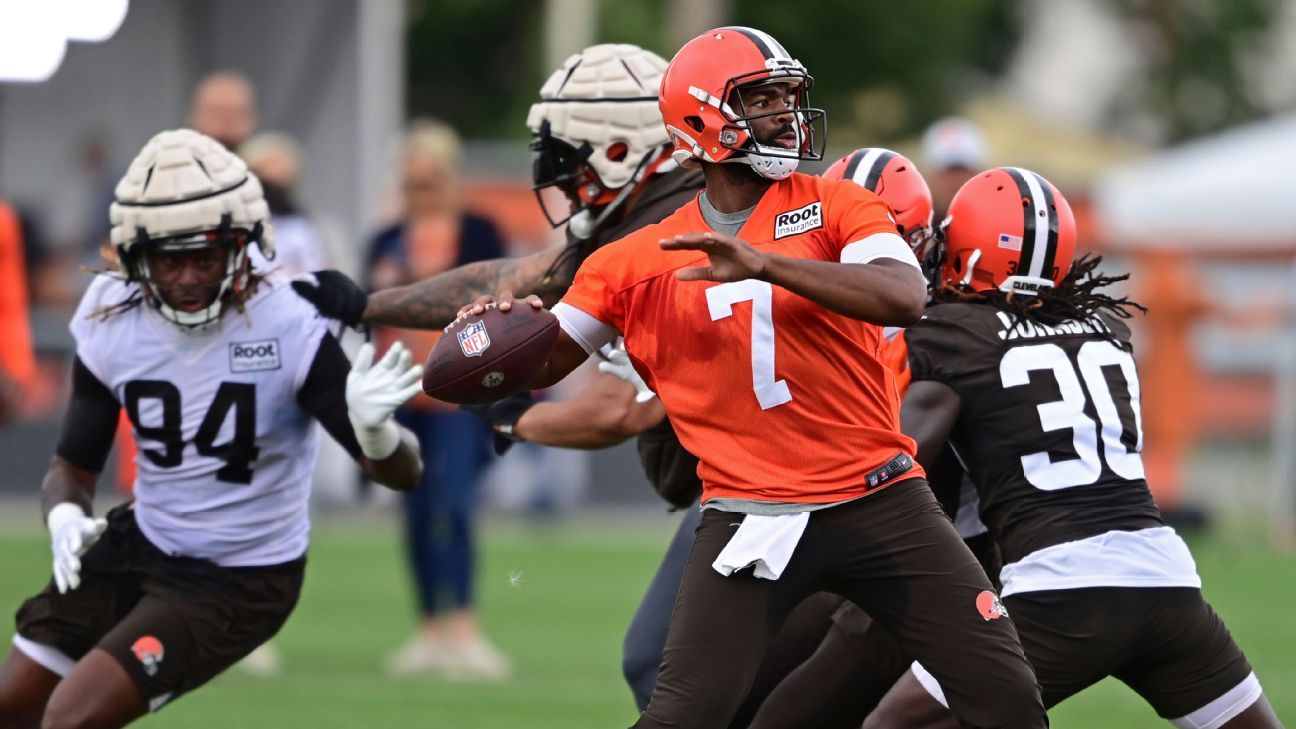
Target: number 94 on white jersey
<point>225,452</point>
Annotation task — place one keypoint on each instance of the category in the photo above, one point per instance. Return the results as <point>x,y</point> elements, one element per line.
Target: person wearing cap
<point>953,150</point>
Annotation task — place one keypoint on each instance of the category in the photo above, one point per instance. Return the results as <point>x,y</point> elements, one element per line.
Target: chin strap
<point>767,160</point>
<point>971,267</point>
<point>772,167</point>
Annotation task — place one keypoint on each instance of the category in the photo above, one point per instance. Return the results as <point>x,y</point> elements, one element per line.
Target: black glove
<point>334,294</point>
<point>502,416</point>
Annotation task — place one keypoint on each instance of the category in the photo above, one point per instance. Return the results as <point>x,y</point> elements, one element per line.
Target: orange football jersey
<point>895,355</point>
<point>780,398</point>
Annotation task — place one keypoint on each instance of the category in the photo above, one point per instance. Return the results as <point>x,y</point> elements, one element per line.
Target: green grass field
<point>562,623</point>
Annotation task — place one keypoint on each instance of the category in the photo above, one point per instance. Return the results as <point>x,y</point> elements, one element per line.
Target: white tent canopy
<point>1235,187</point>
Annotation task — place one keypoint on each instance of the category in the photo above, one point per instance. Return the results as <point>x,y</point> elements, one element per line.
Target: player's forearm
<point>564,358</point>
<point>433,302</point>
<point>928,415</point>
<point>67,483</point>
<point>402,470</point>
<point>557,424</point>
<point>602,416</point>
<point>889,294</point>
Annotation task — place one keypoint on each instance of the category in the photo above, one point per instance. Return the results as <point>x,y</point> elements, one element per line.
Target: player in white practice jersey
<point>222,372</point>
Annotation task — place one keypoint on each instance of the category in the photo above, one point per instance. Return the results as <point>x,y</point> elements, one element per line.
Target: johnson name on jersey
<point>1049,427</point>
<point>226,452</point>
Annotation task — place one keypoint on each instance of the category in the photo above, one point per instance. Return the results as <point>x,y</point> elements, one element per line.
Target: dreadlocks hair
<point>1076,298</point>
<point>137,295</point>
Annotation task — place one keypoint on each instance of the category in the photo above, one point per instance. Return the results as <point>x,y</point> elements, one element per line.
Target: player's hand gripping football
<point>72,533</point>
<point>374,391</point>
<point>504,302</point>
<point>731,259</point>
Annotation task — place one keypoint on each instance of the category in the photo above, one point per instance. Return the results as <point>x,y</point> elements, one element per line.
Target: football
<point>489,356</point>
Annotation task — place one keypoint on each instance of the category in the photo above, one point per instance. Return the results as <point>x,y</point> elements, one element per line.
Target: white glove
<point>373,393</point>
<point>71,534</point>
<point>617,363</point>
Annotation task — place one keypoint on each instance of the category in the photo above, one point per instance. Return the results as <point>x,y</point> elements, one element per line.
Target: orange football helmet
<point>1010,229</point>
<point>897,181</point>
<point>701,102</point>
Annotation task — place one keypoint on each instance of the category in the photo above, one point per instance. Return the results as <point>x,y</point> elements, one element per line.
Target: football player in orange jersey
<point>756,312</point>
<point>857,661</point>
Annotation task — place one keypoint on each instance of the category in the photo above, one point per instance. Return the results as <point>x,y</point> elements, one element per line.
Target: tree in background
<point>883,70</point>
<point>474,63</point>
<point>1202,65</point>
<point>886,70</point>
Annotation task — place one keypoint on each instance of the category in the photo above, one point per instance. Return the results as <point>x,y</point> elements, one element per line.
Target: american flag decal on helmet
<point>474,340</point>
<point>1010,242</point>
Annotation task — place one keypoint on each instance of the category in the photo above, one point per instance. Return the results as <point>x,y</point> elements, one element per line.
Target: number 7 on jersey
<point>720,301</point>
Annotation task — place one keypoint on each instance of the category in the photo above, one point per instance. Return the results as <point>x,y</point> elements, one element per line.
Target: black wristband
<point>502,416</point>
<point>335,295</point>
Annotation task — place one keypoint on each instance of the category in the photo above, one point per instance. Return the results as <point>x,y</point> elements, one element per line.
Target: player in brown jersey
<point>1024,366</point>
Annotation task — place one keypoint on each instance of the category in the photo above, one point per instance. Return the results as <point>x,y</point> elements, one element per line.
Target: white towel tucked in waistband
<point>765,542</point>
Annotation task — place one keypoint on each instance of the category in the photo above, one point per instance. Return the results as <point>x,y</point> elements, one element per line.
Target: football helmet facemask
<point>184,192</point>
<point>895,179</point>
<point>1009,229</point>
<point>597,134</point>
<point>703,105</point>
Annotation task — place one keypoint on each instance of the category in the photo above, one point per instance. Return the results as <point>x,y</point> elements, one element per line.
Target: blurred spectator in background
<point>65,240</point>
<point>276,160</point>
<point>17,360</point>
<point>98,182</point>
<point>437,234</point>
<point>224,108</point>
<point>953,150</point>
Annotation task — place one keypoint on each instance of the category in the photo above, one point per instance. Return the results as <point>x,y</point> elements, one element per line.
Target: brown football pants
<point>895,554</point>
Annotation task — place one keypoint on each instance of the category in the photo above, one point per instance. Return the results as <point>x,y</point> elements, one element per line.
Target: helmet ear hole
<point>617,151</point>
<point>695,122</point>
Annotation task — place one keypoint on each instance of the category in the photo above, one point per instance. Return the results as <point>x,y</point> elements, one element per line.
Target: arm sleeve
<point>879,245</point>
<point>323,394</point>
<point>90,423</point>
<point>590,333</point>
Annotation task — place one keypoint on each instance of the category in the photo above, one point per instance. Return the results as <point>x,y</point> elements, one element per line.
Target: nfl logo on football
<point>474,340</point>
